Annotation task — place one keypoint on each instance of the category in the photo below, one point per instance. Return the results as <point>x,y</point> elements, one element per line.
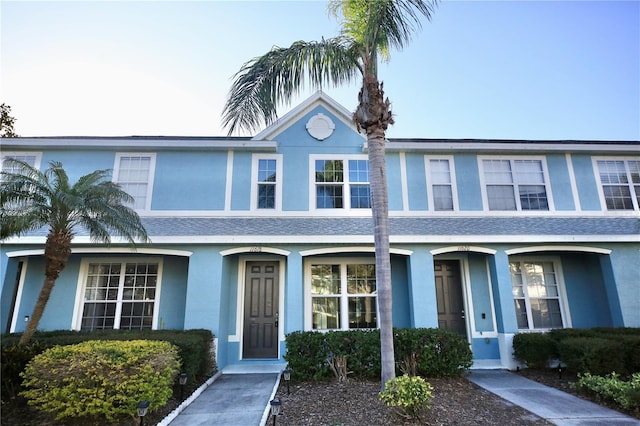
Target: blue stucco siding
<point>468,182</point>
<point>503,293</point>
<point>586,182</point>
<point>173,293</point>
<point>480,292</point>
<point>400,292</point>
<point>422,290</point>
<point>623,284</point>
<point>560,182</point>
<point>175,188</point>
<point>241,181</point>
<point>296,185</point>
<point>485,348</point>
<point>203,298</point>
<point>78,163</point>
<point>394,184</point>
<point>416,182</point>
<point>586,293</point>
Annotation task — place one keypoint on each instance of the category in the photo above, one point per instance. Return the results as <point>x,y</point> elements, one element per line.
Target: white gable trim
<point>287,120</point>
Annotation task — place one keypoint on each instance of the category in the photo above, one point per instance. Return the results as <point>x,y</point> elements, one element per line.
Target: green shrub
<point>437,352</point>
<point>534,349</point>
<point>410,396</point>
<point>14,359</point>
<point>594,355</point>
<point>611,388</point>
<point>102,379</point>
<point>307,355</point>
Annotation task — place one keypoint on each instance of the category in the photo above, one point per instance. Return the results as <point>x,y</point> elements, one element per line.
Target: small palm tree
<point>370,29</point>
<point>31,199</point>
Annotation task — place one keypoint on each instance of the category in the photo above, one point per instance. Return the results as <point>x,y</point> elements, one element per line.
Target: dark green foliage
<point>534,349</point>
<point>195,348</point>
<point>439,352</point>
<point>599,351</point>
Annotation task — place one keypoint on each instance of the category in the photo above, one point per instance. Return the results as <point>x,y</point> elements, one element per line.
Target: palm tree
<point>31,199</point>
<point>370,29</point>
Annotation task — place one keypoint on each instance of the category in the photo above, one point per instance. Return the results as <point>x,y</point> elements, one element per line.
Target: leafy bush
<point>437,352</point>
<point>101,379</point>
<point>612,388</point>
<point>411,396</point>
<point>534,349</point>
<point>195,348</point>
<point>595,355</point>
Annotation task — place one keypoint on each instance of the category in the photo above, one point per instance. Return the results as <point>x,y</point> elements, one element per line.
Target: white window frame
<point>152,170</point>
<point>430,183</point>
<point>343,296</point>
<point>515,184</point>
<point>255,161</point>
<point>630,185</point>
<point>346,185</point>
<point>82,284</point>
<point>560,284</point>
<point>18,154</point>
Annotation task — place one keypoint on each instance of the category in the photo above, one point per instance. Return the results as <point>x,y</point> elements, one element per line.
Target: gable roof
<point>318,98</point>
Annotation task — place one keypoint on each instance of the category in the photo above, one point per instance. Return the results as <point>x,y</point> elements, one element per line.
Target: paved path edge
<point>172,415</point>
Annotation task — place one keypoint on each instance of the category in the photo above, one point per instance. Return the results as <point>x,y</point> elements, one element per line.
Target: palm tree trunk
<point>374,116</point>
<point>56,254</point>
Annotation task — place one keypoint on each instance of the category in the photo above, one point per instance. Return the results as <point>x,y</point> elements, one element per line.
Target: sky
<point>479,69</point>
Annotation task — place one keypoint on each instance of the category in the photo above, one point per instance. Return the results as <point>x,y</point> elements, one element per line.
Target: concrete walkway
<point>240,395</point>
<point>557,407</point>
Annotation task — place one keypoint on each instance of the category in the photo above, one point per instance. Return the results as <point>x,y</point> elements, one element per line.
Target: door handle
<point>462,314</point>
<point>277,319</point>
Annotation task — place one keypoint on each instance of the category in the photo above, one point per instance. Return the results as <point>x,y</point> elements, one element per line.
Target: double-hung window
<point>267,175</point>
<point>342,183</point>
<point>31,159</point>
<point>134,173</point>
<point>536,294</point>
<point>343,295</point>
<point>620,183</point>
<point>120,294</point>
<point>515,184</point>
<point>440,187</point>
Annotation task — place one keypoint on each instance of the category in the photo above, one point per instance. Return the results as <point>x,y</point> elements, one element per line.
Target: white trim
<point>343,295</point>
<point>577,204</point>
<point>255,159</point>
<point>562,293</point>
<point>463,248</point>
<point>12,154</point>
<point>493,304</point>
<point>317,99</point>
<point>358,239</point>
<point>82,282</point>
<point>239,332</point>
<point>366,249</point>
<point>16,306</point>
<point>228,188</point>
<point>404,182</point>
<point>106,250</point>
<point>630,185</point>
<point>150,178</point>
<point>255,249</point>
<point>452,178</point>
<point>346,185</point>
<point>532,249</point>
<point>475,145</point>
<point>515,184</point>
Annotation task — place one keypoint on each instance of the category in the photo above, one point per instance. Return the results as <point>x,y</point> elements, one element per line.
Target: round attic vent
<point>320,126</point>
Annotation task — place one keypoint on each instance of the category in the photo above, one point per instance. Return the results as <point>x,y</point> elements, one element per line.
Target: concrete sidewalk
<point>231,400</point>
<point>557,407</point>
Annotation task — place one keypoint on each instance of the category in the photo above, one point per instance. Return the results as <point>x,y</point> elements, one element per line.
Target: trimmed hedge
<point>194,349</point>
<point>598,351</point>
<point>437,352</point>
<point>100,380</point>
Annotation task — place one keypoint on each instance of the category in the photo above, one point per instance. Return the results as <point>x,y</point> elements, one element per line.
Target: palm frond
<point>269,81</point>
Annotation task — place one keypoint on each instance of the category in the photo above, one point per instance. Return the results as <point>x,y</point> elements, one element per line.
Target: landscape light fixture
<point>182,379</point>
<point>286,374</point>
<point>142,408</point>
<point>275,409</point>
